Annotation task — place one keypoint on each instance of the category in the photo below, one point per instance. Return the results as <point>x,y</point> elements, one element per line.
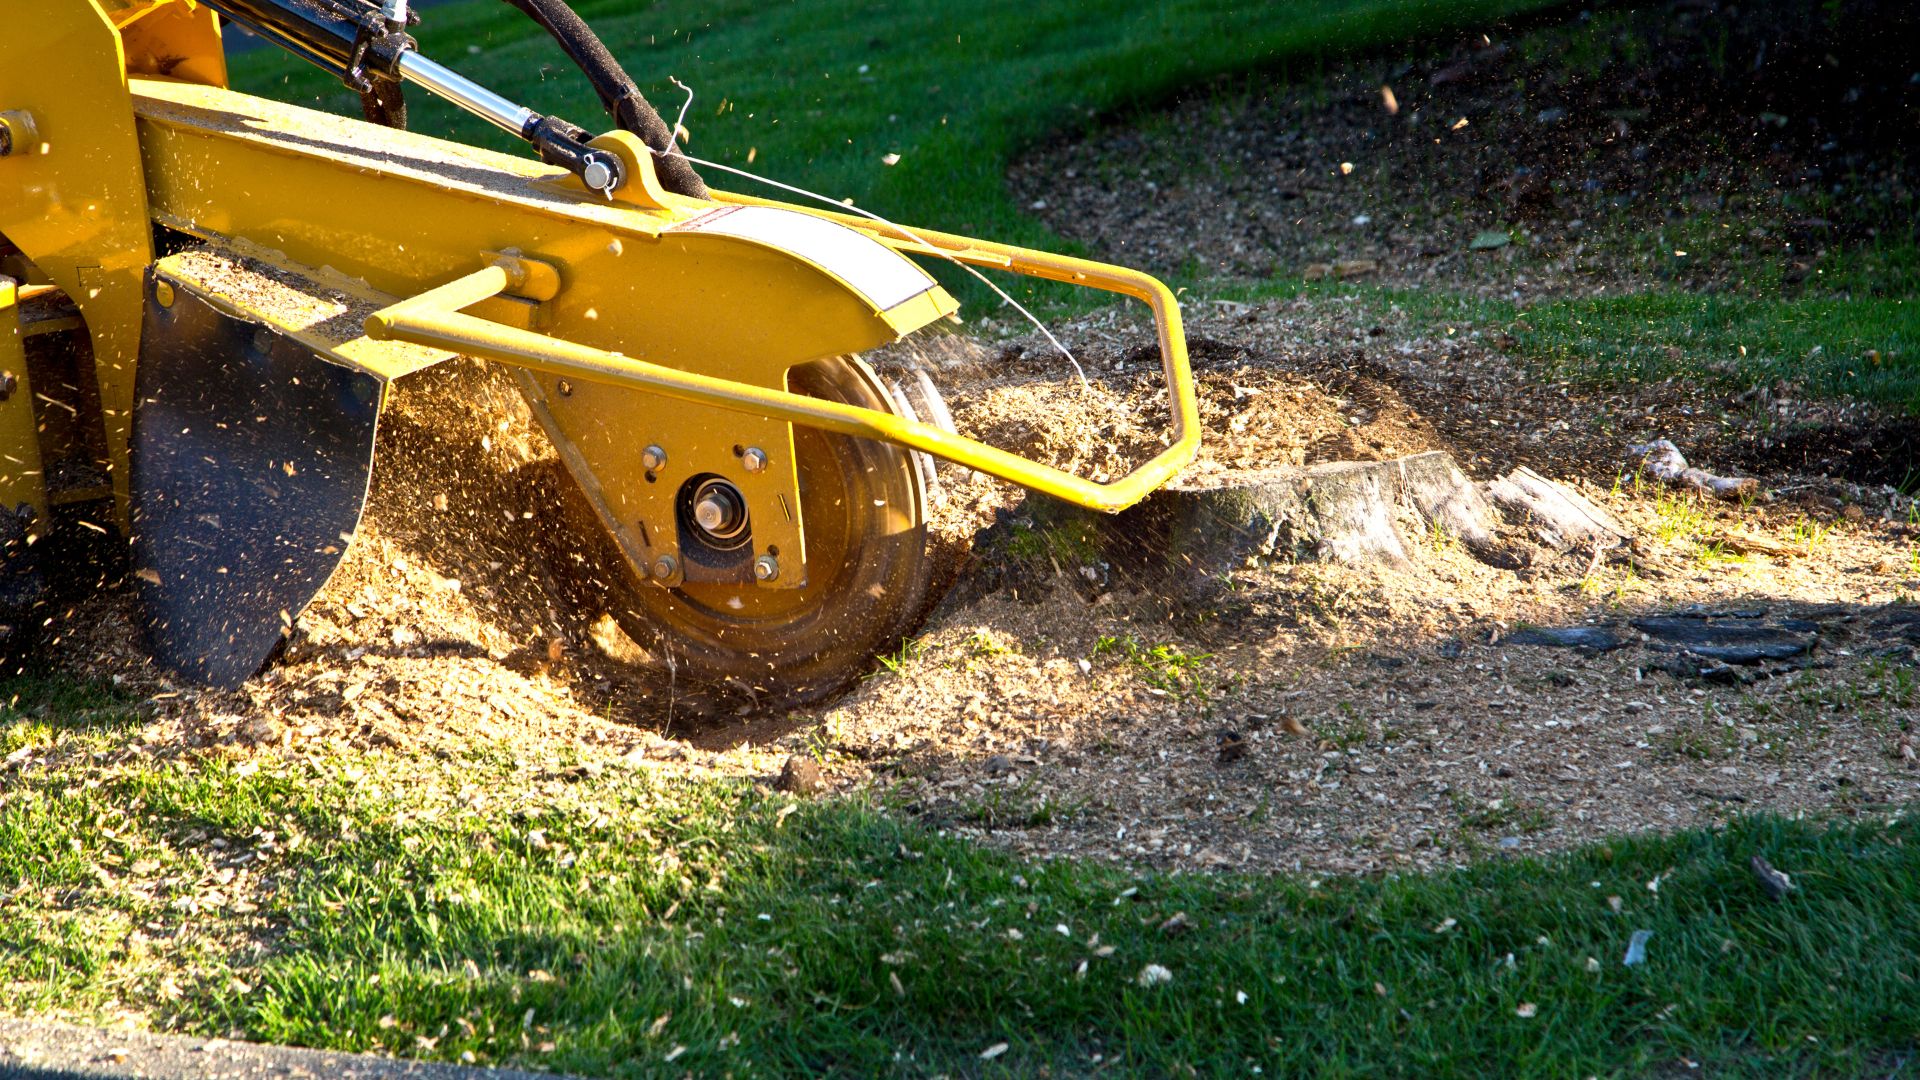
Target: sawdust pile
<point>456,615</point>
<point>1024,396</point>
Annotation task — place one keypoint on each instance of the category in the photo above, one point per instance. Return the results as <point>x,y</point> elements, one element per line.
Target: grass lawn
<point>1862,345</point>
<point>602,921</point>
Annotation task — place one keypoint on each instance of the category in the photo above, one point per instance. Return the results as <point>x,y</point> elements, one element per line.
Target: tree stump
<point>1562,518</point>
<point>1356,512</point>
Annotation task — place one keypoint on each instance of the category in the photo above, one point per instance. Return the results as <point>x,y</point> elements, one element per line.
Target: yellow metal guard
<point>434,319</point>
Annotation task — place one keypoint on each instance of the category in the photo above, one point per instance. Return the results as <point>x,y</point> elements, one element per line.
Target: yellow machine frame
<point>505,258</point>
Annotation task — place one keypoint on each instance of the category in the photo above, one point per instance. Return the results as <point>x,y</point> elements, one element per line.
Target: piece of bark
<point>1562,518</point>
<point>1664,461</point>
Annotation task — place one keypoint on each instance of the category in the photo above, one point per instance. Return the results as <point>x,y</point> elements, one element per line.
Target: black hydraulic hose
<point>617,91</point>
<point>385,104</point>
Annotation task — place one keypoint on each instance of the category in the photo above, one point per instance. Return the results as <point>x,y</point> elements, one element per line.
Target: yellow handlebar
<point>434,319</point>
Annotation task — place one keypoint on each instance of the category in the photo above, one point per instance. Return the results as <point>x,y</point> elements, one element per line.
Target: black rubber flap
<point>250,462</point>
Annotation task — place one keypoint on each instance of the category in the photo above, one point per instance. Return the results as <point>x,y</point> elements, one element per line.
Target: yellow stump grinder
<point>205,295</point>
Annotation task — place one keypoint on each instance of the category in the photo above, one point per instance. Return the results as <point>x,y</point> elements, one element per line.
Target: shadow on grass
<point>836,939</point>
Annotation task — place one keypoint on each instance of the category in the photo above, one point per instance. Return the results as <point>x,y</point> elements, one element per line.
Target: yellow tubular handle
<point>434,319</point>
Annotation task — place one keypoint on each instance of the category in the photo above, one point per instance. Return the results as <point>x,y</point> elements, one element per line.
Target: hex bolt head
<point>755,459</point>
<point>653,457</point>
<point>665,566</point>
<point>9,382</point>
<point>766,568</point>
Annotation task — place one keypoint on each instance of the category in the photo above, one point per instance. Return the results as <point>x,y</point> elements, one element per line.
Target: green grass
<point>1861,347</point>
<point>1865,347</point>
<point>603,920</point>
<point>1165,667</point>
<point>819,93</point>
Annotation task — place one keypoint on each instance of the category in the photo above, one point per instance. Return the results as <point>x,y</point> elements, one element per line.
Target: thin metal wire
<point>674,147</point>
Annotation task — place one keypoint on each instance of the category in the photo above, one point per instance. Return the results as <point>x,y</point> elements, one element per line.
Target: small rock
<point>801,775</point>
<point>999,765</point>
<point>1489,239</point>
<point>1176,924</point>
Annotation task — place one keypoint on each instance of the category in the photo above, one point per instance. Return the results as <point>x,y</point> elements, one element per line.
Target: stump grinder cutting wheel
<point>205,296</point>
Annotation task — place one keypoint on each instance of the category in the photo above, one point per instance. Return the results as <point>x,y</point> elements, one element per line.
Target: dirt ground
<point>1303,714</point>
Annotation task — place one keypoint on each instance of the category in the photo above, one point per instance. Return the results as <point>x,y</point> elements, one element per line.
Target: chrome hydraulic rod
<point>444,82</point>
<point>374,48</point>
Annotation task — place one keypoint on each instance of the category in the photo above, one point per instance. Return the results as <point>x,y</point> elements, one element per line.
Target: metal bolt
<point>653,457</point>
<point>665,566</point>
<point>163,292</point>
<point>9,382</point>
<point>597,175</point>
<point>755,459</point>
<point>712,514</point>
<point>566,388</point>
<point>766,568</point>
